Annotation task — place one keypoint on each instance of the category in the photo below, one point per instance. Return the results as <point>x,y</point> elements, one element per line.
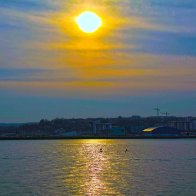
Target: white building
<point>101,127</point>
<point>187,124</point>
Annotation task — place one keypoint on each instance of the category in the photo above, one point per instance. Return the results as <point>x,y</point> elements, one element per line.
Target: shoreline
<point>90,137</point>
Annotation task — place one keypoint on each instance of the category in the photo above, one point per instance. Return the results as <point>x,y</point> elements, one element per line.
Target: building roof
<point>150,129</point>
<point>162,130</point>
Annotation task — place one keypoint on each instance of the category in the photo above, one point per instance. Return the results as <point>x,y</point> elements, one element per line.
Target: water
<point>77,167</point>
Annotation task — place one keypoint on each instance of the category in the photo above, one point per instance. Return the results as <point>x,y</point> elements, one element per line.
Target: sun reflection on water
<point>91,165</point>
<point>95,167</point>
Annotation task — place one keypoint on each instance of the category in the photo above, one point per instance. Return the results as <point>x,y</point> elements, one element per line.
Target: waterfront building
<point>162,131</point>
<point>117,131</point>
<point>186,124</point>
<point>101,127</point>
<point>70,134</point>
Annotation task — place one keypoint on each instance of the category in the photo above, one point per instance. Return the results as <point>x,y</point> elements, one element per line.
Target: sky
<point>143,56</point>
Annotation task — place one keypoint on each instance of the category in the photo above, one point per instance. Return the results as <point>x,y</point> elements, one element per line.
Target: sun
<point>88,22</point>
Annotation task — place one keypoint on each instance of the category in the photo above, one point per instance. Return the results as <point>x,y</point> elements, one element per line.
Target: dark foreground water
<point>77,167</point>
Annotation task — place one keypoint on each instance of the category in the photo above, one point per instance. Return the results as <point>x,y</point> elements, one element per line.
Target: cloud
<point>129,77</point>
<point>25,5</point>
<point>21,74</point>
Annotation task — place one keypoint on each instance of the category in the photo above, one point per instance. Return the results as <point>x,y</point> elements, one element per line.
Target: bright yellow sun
<point>88,22</point>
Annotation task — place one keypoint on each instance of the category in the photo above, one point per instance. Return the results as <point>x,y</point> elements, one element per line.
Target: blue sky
<point>144,56</point>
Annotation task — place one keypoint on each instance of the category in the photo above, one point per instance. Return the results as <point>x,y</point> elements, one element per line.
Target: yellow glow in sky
<point>88,22</point>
